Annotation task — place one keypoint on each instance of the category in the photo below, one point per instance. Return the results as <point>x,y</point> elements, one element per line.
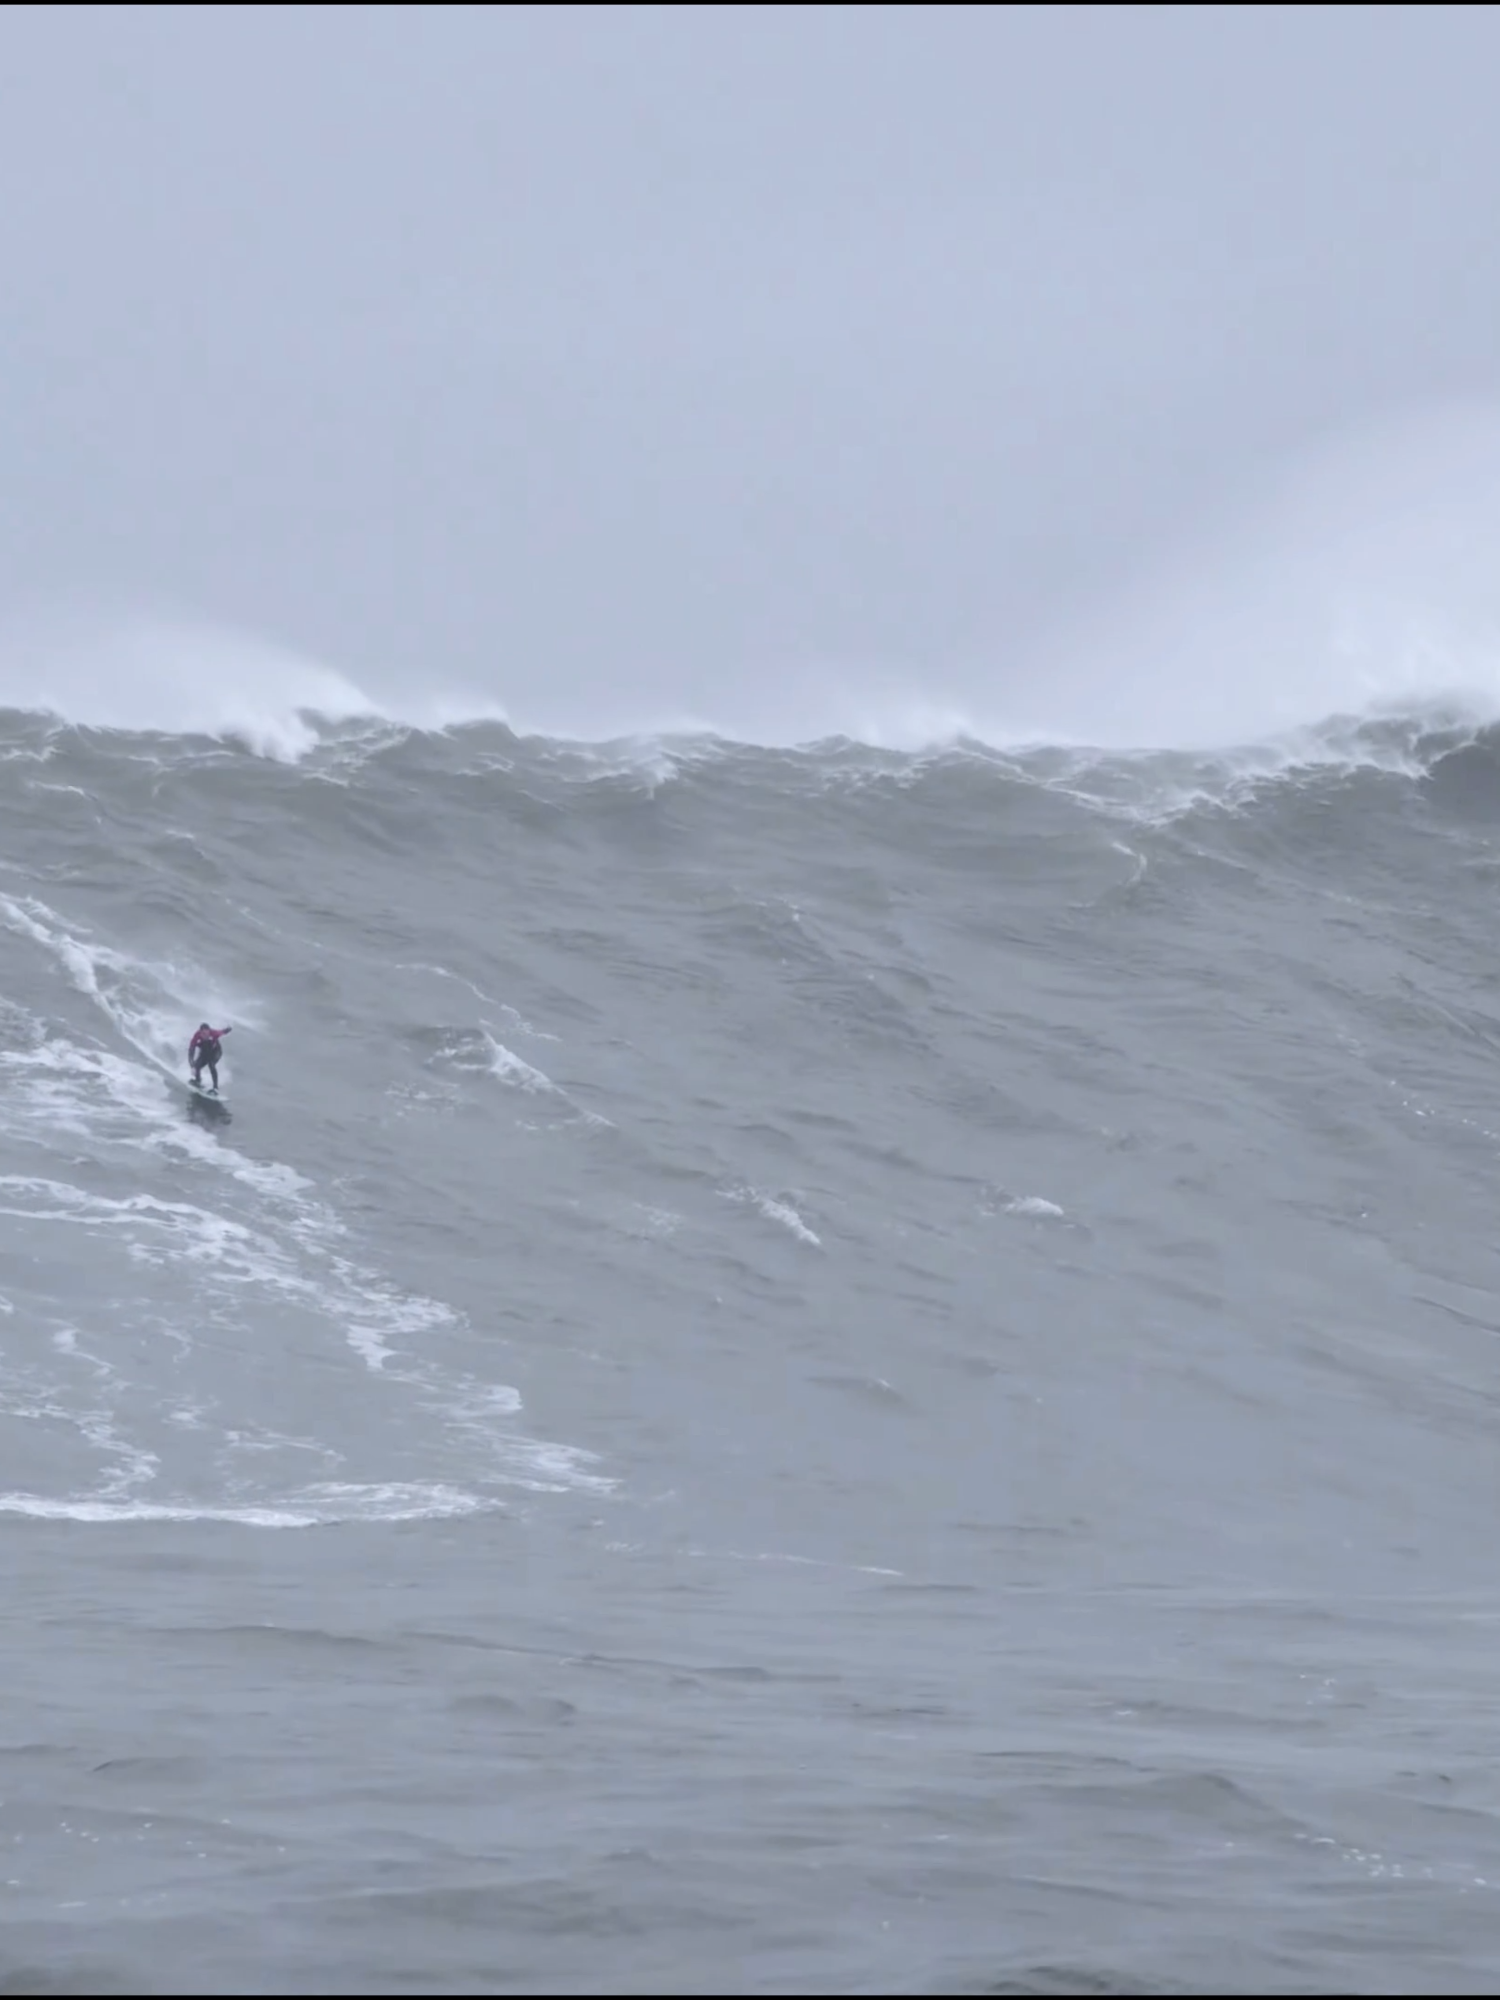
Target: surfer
<point>204,1051</point>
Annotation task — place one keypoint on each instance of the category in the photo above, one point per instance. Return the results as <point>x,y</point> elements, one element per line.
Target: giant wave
<point>957,1280</point>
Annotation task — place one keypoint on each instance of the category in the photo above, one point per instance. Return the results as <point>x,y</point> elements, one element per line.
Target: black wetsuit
<point>205,1051</point>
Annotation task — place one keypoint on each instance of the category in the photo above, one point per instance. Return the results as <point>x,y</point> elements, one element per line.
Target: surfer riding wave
<point>204,1052</point>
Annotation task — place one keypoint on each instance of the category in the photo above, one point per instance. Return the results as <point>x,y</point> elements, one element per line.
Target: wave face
<point>873,1369</point>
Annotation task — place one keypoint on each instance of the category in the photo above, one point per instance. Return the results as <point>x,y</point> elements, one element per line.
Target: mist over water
<point>1356,581</point>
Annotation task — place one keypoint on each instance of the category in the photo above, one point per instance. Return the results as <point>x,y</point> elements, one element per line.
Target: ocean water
<point>816,1370</point>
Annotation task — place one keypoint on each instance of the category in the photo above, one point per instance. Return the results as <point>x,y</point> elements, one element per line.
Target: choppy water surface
<point>779,1372</point>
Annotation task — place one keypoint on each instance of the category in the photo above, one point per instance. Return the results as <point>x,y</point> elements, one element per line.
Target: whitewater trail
<point>284,1245</point>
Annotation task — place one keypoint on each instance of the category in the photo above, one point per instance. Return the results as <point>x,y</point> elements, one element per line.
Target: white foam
<point>652,759</point>
<point>775,1209</point>
<point>1033,1204</point>
<point>484,1412</point>
<point>1154,787</point>
<point>65,1339</point>
<point>810,1562</point>
<point>327,1506</point>
<point>133,1466</point>
<point>1138,862</point>
<point>511,1068</point>
<point>641,1219</point>
<point>519,1074</point>
<point>392,1501</point>
<point>780,1556</point>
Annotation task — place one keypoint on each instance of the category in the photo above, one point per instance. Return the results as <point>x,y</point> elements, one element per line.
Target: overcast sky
<point>629,361</point>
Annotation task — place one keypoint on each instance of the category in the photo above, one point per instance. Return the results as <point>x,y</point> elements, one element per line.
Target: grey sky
<point>627,362</point>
